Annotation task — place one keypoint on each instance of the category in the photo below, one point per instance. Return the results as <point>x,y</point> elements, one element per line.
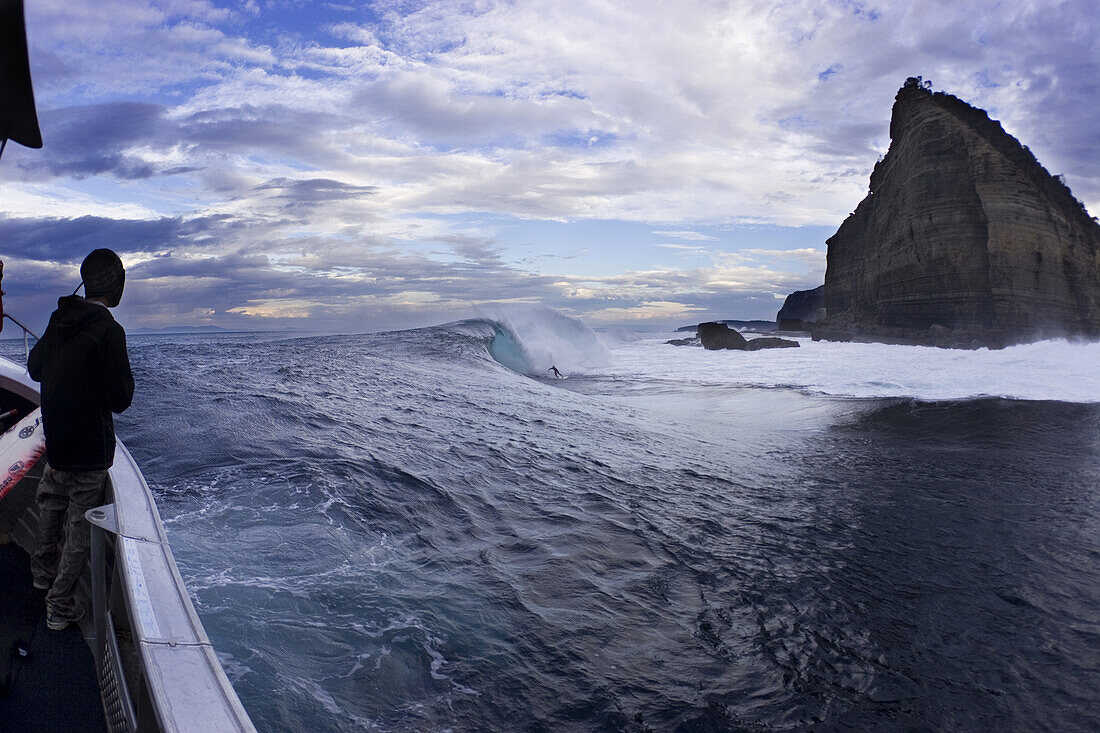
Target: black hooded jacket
<point>84,369</point>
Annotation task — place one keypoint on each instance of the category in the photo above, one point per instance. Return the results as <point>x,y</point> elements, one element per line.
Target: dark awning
<point>18,120</point>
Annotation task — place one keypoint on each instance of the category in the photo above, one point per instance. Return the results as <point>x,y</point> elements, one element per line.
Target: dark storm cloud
<point>103,139</point>
<point>89,140</point>
<point>187,284</point>
<point>69,240</point>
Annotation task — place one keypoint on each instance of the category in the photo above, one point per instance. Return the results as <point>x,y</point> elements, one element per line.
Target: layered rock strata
<point>964,239</point>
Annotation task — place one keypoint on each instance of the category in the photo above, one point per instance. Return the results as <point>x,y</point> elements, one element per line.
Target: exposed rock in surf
<point>964,240</point>
<point>801,308</point>
<point>716,336</point>
<point>689,341</point>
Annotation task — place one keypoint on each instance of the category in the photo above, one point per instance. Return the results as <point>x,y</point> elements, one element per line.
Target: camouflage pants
<point>63,497</point>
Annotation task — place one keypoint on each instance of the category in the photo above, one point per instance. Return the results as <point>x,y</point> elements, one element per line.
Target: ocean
<point>423,530</point>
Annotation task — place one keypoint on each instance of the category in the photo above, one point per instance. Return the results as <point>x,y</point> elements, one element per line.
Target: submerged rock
<point>964,239</point>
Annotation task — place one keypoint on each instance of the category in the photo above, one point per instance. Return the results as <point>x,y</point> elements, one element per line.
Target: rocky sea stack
<point>964,240</point>
<point>715,336</point>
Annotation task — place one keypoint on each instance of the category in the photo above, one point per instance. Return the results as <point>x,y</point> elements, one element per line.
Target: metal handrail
<point>26,331</point>
<point>177,684</point>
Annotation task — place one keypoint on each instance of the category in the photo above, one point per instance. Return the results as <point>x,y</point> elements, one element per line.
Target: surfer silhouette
<point>557,374</point>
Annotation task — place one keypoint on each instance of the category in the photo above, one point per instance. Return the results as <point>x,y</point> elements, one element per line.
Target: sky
<point>363,166</point>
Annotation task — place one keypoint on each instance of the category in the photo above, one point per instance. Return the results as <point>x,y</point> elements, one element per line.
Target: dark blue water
<point>394,531</point>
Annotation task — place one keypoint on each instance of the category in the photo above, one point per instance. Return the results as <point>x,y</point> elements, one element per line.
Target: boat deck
<point>159,669</point>
<point>53,687</point>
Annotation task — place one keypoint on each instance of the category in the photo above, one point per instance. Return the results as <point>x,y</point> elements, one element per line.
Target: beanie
<point>103,276</point>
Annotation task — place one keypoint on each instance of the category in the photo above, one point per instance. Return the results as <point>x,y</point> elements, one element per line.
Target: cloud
<point>89,140</point>
<point>209,270</point>
<point>682,248</point>
<point>807,256</point>
<point>688,235</point>
<point>302,196</point>
<point>70,240</point>
<point>479,251</point>
<point>769,112</point>
<point>344,168</point>
<point>128,48</point>
<point>438,114</point>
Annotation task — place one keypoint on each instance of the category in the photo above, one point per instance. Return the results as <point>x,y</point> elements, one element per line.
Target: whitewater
<point>424,530</point>
<point>1047,370</point>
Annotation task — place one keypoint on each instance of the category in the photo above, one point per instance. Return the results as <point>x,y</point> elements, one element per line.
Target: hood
<point>74,313</point>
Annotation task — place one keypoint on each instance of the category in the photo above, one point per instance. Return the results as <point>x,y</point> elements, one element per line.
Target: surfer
<point>557,374</point>
<point>84,369</point>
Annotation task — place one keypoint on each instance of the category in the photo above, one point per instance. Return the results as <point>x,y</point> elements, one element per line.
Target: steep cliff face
<point>802,308</point>
<point>965,231</point>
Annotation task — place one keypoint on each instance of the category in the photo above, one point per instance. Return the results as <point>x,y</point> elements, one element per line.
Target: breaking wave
<point>531,340</point>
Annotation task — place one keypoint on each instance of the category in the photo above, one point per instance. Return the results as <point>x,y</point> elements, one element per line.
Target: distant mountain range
<point>180,329</point>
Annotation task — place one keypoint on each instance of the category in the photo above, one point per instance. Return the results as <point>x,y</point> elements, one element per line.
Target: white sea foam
<point>1047,370</point>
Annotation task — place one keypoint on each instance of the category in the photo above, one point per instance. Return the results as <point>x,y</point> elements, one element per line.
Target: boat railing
<point>26,332</point>
<point>157,668</point>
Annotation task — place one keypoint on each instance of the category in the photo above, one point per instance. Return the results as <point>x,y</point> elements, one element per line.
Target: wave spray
<point>530,340</point>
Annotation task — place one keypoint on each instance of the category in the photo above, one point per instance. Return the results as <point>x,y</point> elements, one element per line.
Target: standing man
<point>84,369</point>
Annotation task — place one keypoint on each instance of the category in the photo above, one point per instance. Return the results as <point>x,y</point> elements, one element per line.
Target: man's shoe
<point>56,622</point>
